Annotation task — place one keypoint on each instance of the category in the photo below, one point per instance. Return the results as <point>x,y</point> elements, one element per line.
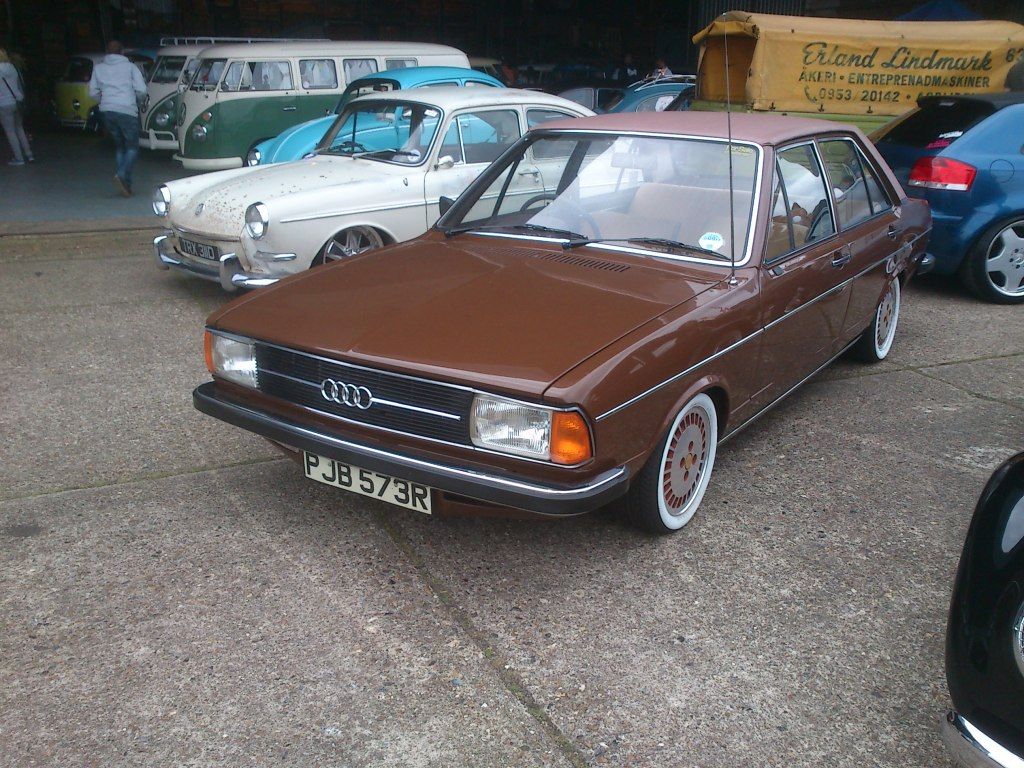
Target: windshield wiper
<point>530,227</point>
<point>663,241</point>
<point>372,152</point>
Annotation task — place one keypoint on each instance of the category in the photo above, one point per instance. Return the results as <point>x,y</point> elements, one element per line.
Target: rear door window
<point>318,73</point>
<point>937,124</point>
<point>846,176</point>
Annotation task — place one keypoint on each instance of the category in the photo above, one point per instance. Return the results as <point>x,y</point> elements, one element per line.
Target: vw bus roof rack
<point>649,81</point>
<point>202,40</point>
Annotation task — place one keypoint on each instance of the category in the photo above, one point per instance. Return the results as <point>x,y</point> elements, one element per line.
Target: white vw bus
<point>176,63</point>
<point>241,95</point>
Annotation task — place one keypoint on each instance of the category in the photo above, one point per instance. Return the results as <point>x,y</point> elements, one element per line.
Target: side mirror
<point>308,155</point>
<point>182,87</point>
<point>444,163</point>
<point>444,204</point>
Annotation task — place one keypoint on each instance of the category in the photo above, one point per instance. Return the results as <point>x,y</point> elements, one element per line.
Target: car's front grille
<point>403,403</point>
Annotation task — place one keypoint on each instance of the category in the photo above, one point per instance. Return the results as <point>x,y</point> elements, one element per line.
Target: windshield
<point>189,71</point>
<point>391,131</point>
<point>78,71</point>
<point>621,187</point>
<point>167,69</point>
<point>208,74</point>
<point>364,88</point>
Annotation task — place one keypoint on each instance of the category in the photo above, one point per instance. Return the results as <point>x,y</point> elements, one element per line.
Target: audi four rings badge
<point>346,394</point>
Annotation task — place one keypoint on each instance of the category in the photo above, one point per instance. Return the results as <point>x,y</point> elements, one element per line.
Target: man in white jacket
<point>118,85</point>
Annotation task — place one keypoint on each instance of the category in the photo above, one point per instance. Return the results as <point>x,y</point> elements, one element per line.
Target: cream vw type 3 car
<point>377,177</point>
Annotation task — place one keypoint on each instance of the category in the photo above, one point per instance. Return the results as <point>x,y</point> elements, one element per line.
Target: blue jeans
<point>124,130</point>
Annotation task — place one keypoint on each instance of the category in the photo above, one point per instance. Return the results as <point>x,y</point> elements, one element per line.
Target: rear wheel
<point>669,489</point>
<point>874,345</point>
<point>349,242</point>
<point>994,268</point>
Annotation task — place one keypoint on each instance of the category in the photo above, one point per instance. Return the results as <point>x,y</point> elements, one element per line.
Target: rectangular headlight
<point>522,429</point>
<point>231,358</point>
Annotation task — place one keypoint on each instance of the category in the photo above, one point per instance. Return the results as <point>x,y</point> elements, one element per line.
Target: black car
<point>985,636</point>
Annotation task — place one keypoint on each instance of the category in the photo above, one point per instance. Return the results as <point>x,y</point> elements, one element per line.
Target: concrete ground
<point>173,593</point>
<point>70,186</point>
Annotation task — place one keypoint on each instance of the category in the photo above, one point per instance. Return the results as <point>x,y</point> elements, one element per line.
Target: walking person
<point>11,97</point>
<point>118,85</point>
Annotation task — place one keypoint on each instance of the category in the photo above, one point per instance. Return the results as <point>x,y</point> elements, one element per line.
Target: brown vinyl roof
<point>759,128</point>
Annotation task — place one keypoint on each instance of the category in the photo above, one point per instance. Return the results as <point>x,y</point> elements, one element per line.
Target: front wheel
<point>349,242</point>
<point>874,345</point>
<point>668,490</point>
<point>994,268</point>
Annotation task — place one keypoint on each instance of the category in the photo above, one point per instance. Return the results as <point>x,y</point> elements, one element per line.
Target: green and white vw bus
<point>176,63</point>
<point>241,95</point>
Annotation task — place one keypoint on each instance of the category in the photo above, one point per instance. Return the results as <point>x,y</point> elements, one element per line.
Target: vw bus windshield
<point>167,69</point>
<point>388,131</point>
<point>208,74</point>
<point>670,196</point>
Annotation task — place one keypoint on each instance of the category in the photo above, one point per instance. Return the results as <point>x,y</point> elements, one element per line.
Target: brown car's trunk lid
<point>495,313</point>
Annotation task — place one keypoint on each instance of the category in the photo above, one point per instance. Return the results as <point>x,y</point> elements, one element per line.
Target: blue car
<point>653,95</point>
<point>963,154</point>
<point>299,140</point>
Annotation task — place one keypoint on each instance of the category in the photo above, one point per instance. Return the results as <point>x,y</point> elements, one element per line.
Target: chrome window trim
<point>755,202</point>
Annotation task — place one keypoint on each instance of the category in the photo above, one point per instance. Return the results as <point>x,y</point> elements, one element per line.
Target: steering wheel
<point>350,143</point>
<point>536,199</point>
<point>577,210</point>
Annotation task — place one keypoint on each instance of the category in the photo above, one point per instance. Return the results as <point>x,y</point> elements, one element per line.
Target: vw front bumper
<point>972,748</point>
<point>493,487</point>
<point>227,271</point>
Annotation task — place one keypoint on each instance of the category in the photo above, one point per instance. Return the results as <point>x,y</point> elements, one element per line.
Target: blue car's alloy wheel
<point>994,269</point>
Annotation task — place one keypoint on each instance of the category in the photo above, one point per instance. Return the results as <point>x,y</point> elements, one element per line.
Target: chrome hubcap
<point>351,242</point>
<point>1004,265</point>
<point>685,461</point>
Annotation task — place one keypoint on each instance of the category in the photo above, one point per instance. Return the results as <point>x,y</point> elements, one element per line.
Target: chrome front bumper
<point>506,489</point>
<point>228,272</point>
<point>972,748</point>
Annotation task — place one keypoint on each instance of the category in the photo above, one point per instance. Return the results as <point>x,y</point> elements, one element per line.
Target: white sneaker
<point>16,162</point>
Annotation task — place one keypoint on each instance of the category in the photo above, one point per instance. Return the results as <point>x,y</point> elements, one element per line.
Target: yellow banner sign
<point>790,63</point>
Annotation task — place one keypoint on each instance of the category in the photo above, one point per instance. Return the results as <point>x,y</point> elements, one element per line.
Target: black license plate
<point>200,250</point>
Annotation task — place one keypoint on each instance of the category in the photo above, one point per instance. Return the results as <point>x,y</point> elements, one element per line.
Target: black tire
<point>974,271</point>
<point>869,347</point>
<point>645,505</point>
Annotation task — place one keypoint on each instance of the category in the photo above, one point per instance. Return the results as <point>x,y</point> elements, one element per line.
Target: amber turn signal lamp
<point>208,350</point>
<point>570,438</point>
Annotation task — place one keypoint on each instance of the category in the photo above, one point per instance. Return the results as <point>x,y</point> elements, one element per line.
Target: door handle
<point>535,173</point>
<point>891,232</point>
<point>288,109</point>
<point>841,258</point>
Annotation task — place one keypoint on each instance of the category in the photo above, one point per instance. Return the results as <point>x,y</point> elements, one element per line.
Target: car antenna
<point>728,131</point>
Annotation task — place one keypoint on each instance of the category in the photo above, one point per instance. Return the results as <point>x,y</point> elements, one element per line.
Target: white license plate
<point>200,250</point>
<point>393,490</point>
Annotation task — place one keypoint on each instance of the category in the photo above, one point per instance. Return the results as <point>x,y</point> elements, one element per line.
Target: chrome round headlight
<point>256,220</point>
<point>254,157</point>
<point>162,119</point>
<point>75,104</point>
<point>161,200</point>
<point>199,132</point>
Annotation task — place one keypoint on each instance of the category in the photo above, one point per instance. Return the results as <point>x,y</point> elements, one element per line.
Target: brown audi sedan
<point>611,299</point>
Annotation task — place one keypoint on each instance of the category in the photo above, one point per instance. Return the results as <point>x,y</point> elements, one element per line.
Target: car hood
<point>219,208</point>
<point>494,313</point>
<point>294,142</point>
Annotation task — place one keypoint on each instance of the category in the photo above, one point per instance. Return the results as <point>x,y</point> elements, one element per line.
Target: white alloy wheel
<point>886,317</point>
<point>686,462</point>
<point>350,242</point>
<point>1004,262</point>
